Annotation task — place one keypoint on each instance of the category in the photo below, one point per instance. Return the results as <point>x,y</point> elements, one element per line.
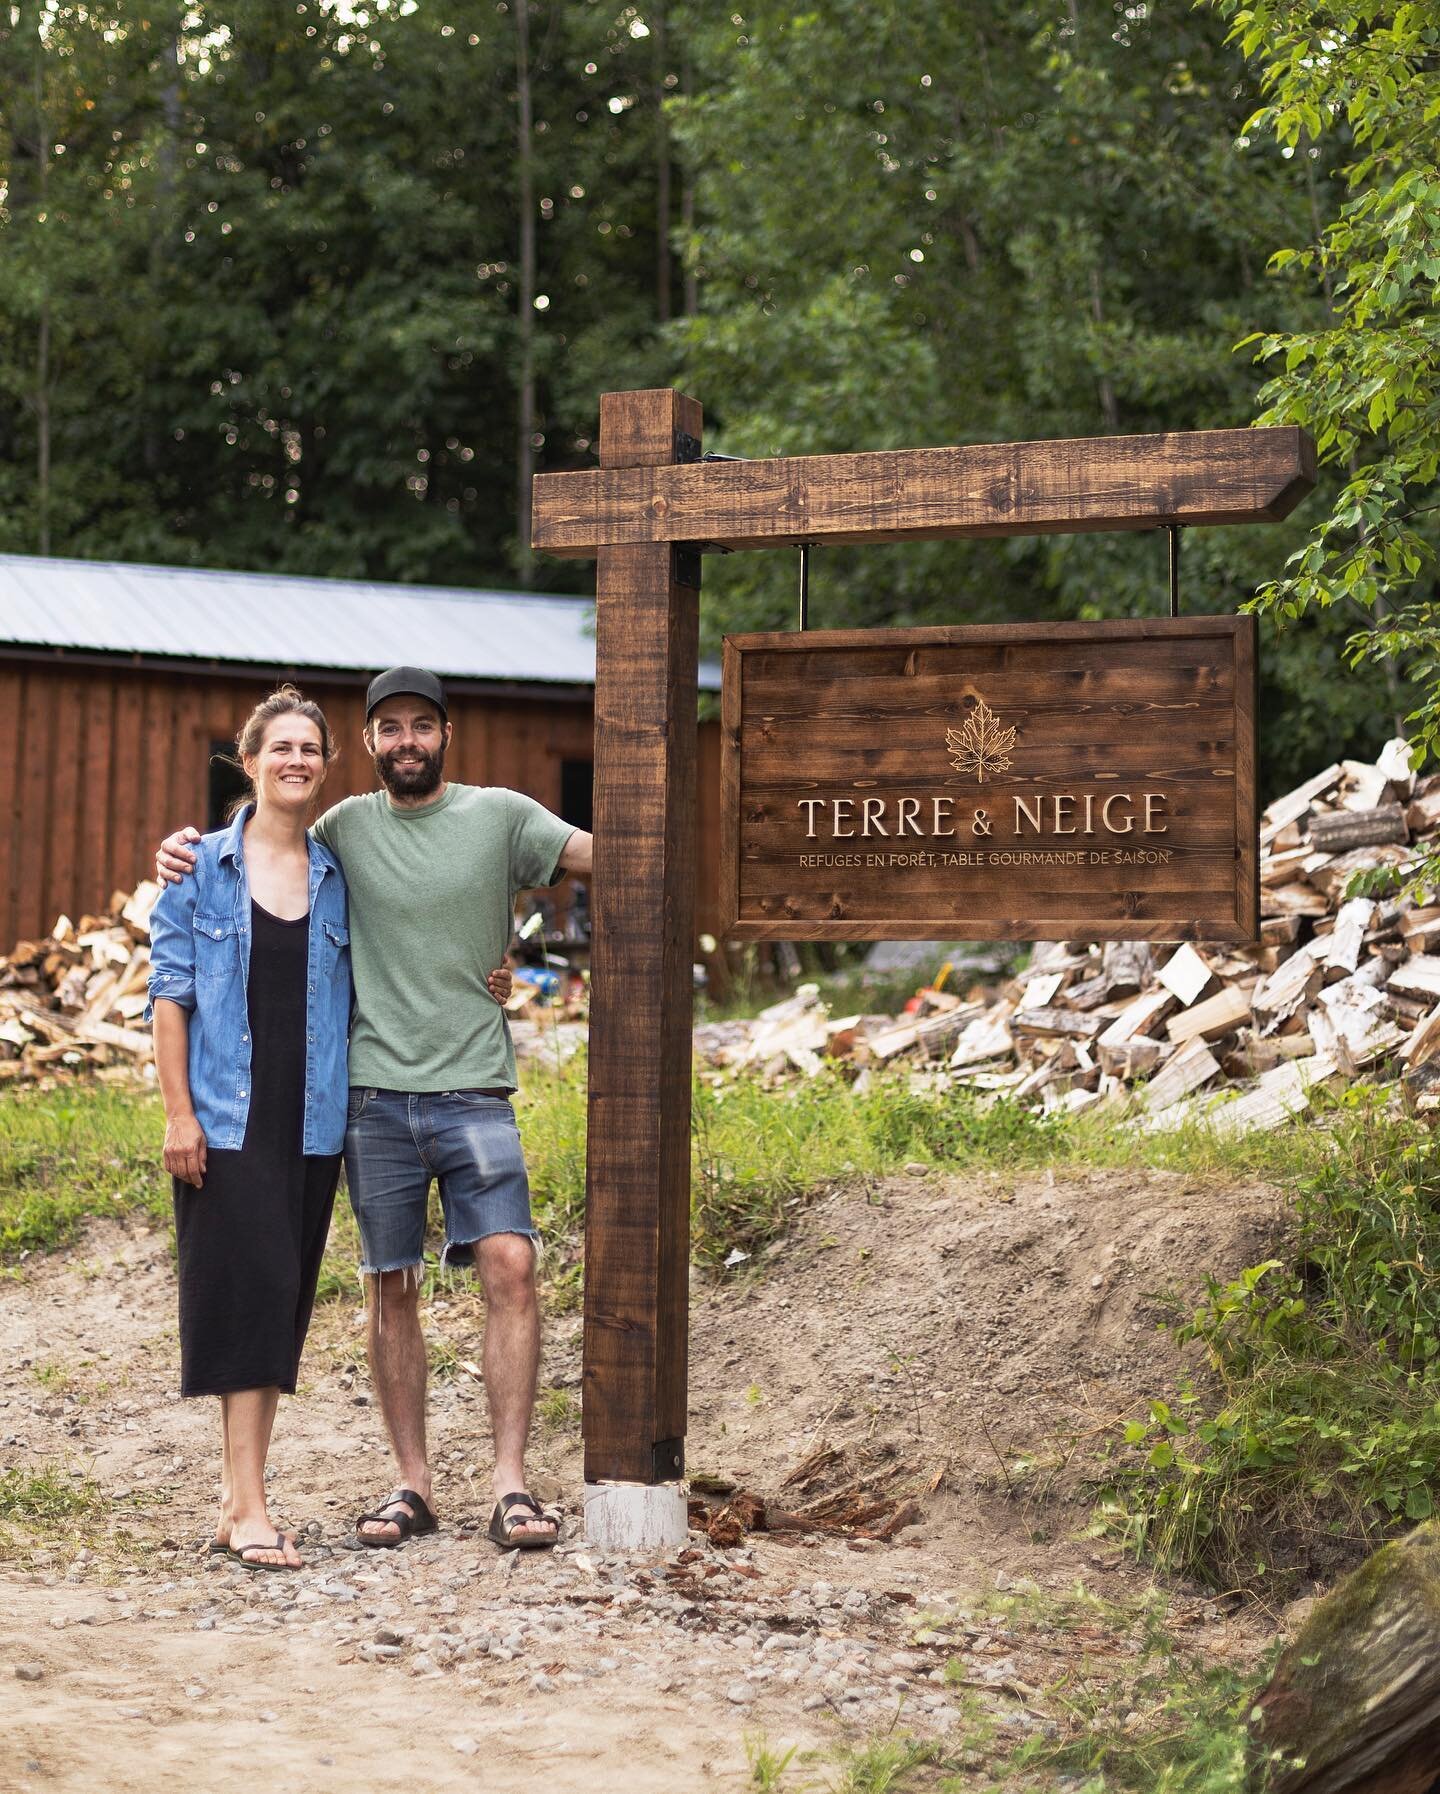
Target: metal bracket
<point>685,564</point>
<point>1174,530</point>
<point>667,1460</point>
<point>687,448</point>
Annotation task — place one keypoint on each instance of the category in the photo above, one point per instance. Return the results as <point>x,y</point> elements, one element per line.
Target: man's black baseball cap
<point>412,681</point>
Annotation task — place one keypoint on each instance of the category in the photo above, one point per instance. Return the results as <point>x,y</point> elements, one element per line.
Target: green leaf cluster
<point>1315,1422</point>
<point>1354,87</point>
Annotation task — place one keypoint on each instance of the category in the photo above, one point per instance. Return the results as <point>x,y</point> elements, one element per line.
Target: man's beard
<point>411,781</point>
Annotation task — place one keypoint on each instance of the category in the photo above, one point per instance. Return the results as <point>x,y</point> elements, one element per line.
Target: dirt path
<point>923,1329</point>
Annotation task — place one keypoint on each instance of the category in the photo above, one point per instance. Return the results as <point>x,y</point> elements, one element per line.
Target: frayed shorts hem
<point>417,1265</point>
<point>462,1252</point>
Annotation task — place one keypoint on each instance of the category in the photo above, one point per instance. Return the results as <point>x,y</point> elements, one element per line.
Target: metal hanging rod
<point>1174,532</point>
<point>804,585</point>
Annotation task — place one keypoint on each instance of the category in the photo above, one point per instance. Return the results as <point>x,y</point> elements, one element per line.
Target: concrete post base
<point>635,1516</point>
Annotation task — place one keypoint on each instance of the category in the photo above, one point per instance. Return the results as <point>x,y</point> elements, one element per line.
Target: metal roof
<point>263,619</point>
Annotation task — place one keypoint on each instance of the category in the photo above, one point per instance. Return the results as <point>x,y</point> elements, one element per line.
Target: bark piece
<point>1128,965</point>
<point>1354,1704</point>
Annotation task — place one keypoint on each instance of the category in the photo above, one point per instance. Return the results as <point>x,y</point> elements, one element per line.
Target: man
<point>433,869</point>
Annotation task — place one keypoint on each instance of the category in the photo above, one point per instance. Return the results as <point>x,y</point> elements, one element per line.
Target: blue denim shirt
<point>200,959</point>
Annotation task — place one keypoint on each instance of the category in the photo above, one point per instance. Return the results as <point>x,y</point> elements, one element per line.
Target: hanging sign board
<point>1092,781</point>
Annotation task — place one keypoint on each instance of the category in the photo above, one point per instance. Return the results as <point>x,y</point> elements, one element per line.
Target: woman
<point>250,993</point>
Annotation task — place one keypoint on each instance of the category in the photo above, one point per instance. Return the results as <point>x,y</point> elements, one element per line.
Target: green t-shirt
<point>432,903</point>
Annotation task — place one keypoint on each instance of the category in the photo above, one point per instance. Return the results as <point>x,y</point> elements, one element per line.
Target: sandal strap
<point>521,1498</point>
<point>420,1512</point>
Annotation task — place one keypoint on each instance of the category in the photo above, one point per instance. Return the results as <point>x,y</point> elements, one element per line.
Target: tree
<point>1361,78</point>
<point>988,223</point>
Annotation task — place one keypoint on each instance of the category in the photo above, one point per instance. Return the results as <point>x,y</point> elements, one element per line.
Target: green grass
<point>48,1495</point>
<point>70,1153</point>
<point>757,1152</point>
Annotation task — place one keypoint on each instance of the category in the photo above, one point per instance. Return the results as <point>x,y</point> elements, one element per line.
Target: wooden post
<point>637,1221</point>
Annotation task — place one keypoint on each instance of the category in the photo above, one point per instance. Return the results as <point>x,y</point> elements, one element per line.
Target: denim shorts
<point>395,1142</point>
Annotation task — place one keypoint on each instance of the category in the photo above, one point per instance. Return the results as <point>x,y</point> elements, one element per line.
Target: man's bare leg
<point>397,1369</point>
<point>512,1359</point>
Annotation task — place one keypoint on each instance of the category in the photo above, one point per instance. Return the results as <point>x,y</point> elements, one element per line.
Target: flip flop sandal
<point>413,1525</point>
<point>250,1563</point>
<point>219,1547</point>
<point>504,1528</point>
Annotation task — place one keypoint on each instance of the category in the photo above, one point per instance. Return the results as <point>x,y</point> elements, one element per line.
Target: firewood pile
<point>74,1000</point>
<point>1345,981</point>
<point>1342,982</point>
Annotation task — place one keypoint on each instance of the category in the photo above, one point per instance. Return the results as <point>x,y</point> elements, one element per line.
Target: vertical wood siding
<point>97,764</point>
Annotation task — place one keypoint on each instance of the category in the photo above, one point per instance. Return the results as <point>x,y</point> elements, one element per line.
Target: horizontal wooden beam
<point>900,495</point>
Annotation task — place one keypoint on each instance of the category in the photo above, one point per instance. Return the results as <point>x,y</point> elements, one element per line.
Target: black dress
<point>250,1240</point>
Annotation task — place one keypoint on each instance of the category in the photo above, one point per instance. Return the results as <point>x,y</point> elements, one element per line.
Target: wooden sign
<point>1046,781</point>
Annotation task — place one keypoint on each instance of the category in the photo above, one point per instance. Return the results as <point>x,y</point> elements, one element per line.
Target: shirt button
<point>244,1093</point>
<point>217,934</point>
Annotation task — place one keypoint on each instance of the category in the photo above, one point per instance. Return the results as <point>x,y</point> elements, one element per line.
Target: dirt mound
<point>953,1318</point>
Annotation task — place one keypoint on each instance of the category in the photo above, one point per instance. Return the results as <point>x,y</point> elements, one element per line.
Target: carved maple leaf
<point>981,746</point>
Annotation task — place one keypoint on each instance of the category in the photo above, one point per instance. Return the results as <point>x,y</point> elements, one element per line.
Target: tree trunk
<point>525,428</point>
<point>166,159</point>
<point>662,176</point>
<point>1354,1704</point>
<point>42,341</point>
<point>1109,409</point>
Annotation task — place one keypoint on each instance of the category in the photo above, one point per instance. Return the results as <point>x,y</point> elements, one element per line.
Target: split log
<point>1354,1704</point>
<point>1193,1066</point>
<point>1419,976</point>
<point>1217,1015</point>
<point>1185,974</point>
<point>1293,900</point>
<point>1051,1022</point>
<point>1344,829</point>
<point>1280,1094</point>
<point>1138,1017</point>
<point>1348,935</point>
<point>1296,803</point>
<point>1128,965</point>
<point>1365,785</point>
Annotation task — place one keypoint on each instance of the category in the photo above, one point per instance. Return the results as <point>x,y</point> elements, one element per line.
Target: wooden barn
<point>122,687</point>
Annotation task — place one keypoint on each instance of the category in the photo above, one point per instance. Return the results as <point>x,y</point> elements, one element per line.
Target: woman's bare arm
<point>184,1137</point>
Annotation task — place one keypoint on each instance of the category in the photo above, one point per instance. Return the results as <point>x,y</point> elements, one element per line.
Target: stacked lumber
<point>74,1001</point>
<point>1344,981</point>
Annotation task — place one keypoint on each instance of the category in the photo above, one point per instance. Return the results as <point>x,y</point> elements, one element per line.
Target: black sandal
<point>504,1527</point>
<point>250,1563</point>
<point>413,1525</point>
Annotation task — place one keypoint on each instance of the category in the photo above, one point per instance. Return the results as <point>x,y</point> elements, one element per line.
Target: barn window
<point>227,782</point>
<point>577,793</point>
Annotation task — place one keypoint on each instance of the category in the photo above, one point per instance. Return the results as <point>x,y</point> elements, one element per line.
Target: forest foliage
<point>317,286</point>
